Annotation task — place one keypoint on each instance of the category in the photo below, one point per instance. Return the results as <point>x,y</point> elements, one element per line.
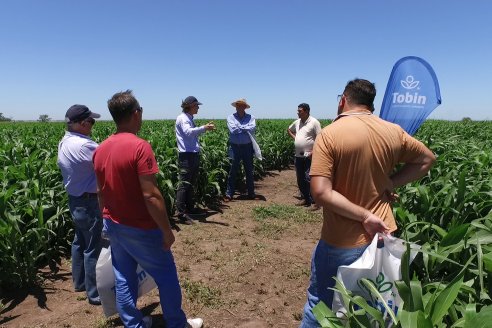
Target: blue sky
<point>276,54</point>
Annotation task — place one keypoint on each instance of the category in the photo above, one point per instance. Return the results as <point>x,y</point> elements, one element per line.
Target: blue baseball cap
<point>78,113</point>
<point>190,100</point>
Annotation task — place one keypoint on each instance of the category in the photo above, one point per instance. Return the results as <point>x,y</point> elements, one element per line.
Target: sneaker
<point>303,203</point>
<point>314,207</point>
<point>197,211</point>
<point>147,320</point>
<point>195,323</point>
<point>185,219</point>
<point>298,196</point>
<point>227,198</point>
<point>254,197</point>
<point>94,301</point>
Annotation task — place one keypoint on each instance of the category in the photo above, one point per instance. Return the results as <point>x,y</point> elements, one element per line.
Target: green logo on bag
<point>381,285</point>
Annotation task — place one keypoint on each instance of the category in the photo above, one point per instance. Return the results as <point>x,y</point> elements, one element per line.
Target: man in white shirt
<point>75,152</point>
<point>304,131</point>
<point>188,157</point>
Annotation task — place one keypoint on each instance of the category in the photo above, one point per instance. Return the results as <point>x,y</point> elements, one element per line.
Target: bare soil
<point>245,265</point>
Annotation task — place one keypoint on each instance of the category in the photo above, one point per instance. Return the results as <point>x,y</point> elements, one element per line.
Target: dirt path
<point>245,267</point>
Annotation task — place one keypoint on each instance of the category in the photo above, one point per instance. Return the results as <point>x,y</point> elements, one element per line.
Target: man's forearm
<point>291,134</point>
<point>234,128</point>
<point>414,169</point>
<point>157,210</point>
<point>339,204</point>
<point>410,172</point>
<point>248,127</point>
<point>342,206</point>
<point>100,202</point>
<point>332,200</point>
<point>192,132</point>
<point>100,199</point>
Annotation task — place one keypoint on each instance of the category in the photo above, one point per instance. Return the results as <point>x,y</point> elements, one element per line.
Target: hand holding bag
<point>379,264</point>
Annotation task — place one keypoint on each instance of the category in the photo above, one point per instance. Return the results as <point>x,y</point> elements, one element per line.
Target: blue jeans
<point>303,166</point>
<point>86,244</point>
<point>245,154</point>
<point>129,247</point>
<point>189,163</point>
<point>324,266</point>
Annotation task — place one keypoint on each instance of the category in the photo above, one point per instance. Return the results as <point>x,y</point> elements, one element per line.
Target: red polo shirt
<point>118,163</point>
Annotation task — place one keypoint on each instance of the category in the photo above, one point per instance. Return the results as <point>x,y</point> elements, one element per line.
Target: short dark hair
<point>304,106</point>
<point>122,105</point>
<point>361,92</point>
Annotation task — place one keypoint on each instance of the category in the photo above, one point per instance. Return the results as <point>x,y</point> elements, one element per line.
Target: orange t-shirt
<point>358,152</point>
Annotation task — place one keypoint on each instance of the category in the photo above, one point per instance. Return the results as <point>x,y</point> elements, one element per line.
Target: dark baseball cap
<point>190,100</point>
<point>78,113</point>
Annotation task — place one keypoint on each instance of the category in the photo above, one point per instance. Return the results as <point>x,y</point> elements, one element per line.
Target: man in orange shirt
<point>353,177</point>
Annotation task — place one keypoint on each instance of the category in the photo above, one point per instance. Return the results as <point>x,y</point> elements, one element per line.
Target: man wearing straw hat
<point>242,129</point>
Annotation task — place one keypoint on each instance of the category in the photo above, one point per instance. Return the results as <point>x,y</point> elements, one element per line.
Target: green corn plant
<point>35,224</point>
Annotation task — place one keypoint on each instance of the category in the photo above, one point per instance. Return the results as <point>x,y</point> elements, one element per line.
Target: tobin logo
<point>381,285</point>
<point>412,98</point>
<point>409,83</point>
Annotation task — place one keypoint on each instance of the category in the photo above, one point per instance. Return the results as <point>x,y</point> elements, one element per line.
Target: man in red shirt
<point>135,216</point>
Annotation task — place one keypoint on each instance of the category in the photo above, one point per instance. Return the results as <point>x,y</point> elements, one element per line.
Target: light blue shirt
<point>75,152</point>
<point>239,128</point>
<point>187,134</point>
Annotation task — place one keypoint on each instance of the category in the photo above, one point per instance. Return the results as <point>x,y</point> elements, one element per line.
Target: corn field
<point>35,224</point>
<point>448,212</point>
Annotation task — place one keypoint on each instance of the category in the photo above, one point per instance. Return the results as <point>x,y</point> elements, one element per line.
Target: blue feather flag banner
<point>411,95</point>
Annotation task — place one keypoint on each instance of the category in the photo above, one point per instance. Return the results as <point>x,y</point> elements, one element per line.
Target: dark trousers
<point>303,166</point>
<point>188,172</point>
<point>245,154</point>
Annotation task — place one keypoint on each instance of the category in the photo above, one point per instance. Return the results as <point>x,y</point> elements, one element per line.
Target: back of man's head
<point>122,105</point>
<point>360,92</point>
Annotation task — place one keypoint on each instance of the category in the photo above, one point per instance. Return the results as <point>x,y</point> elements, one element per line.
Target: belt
<point>189,153</point>
<point>87,195</point>
<point>239,145</point>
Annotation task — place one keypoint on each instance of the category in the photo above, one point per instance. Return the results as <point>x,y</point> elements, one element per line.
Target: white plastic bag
<point>105,282</point>
<point>230,153</point>
<point>382,267</point>
<point>256,147</point>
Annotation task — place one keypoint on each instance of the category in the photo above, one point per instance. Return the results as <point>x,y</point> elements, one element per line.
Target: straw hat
<point>240,101</point>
